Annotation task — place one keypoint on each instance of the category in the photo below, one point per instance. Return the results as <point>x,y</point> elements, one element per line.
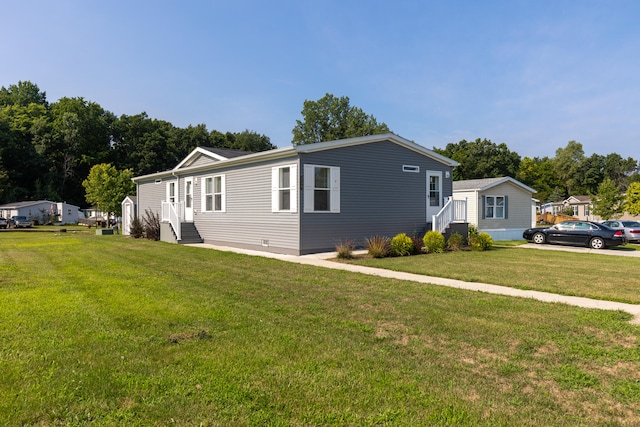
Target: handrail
<point>452,211</point>
<point>173,214</point>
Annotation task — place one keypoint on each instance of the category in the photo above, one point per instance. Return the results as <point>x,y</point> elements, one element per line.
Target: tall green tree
<point>22,94</point>
<point>568,163</point>
<point>331,118</point>
<point>609,202</point>
<point>539,174</point>
<point>106,187</point>
<point>632,198</point>
<point>482,159</point>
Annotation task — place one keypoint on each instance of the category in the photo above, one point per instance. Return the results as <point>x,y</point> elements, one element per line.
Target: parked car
<point>21,221</point>
<point>579,233</point>
<point>4,223</point>
<point>631,229</point>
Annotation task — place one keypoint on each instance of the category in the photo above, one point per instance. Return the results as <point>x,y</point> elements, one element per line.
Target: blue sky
<point>532,74</point>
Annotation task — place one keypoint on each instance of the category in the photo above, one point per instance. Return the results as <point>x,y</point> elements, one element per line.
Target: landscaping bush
<point>151,225</point>
<point>378,246</point>
<point>137,228</point>
<point>345,250</point>
<point>455,242</point>
<point>418,244</point>
<point>473,231</point>
<point>481,242</point>
<point>401,245</point>
<point>433,242</point>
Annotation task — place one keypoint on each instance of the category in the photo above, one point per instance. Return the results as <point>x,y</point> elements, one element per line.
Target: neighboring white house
<point>42,211</point>
<point>502,207</point>
<point>129,206</point>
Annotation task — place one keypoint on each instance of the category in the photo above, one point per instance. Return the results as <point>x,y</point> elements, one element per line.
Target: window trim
<point>485,205</point>
<point>411,168</point>
<point>213,194</point>
<point>276,189</point>
<point>310,188</point>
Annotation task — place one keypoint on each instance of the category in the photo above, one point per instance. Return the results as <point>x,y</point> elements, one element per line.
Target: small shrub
<point>418,244</point>
<point>151,225</point>
<point>433,242</point>
<point>136,230</point>
<point>481,242</point>
<point>455,242</point>
<point>345,250</point>
<point>401,245</point>
<point>378,246</point>
<point>473,230</point>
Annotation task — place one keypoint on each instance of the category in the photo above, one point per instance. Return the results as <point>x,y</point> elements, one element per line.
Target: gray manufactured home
<point>300,199</point>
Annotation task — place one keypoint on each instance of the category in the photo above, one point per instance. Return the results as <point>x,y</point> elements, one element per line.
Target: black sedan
<point>579,233</point>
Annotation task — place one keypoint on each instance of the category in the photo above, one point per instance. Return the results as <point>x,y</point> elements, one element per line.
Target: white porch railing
<point>452,211</point>
<point>173,214</point>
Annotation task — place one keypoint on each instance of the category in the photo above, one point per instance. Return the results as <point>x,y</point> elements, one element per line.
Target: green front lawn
<point>589,275</point>
<point>106,330</point>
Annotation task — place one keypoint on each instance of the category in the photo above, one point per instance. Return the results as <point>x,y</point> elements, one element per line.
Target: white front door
<point>188,199</point>
<point>434,193</point>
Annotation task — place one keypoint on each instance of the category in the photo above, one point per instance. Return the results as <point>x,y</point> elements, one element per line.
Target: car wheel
<point>538,238</point>
<point>596,243</point>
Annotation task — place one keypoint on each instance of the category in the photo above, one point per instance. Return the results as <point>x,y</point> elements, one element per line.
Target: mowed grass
<point>591,275</point>
<point>106,330</point>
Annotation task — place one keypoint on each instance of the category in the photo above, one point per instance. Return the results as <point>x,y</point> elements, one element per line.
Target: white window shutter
<point>308,188</point>
<point>335,189</point>
<point>293,182</point>
<point>275,179</point>
<point>223,196</point>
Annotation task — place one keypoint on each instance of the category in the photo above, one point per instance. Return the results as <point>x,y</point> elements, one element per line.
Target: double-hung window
<point>284,188</point>
<point>213,194</point>
<point>171,192</point>
<point>321,189</point>
<point>494,207</point>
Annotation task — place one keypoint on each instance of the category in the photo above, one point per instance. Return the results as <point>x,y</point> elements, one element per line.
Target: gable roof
<point>214,153</point>
<point>240,157</point>
<point>577,199</point>
<point>487,183</point>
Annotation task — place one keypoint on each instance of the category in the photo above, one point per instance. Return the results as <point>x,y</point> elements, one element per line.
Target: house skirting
<point>505,233</point>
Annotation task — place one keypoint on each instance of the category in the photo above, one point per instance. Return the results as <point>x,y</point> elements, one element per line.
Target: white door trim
<point>434,198</point>
<point>188,199</point>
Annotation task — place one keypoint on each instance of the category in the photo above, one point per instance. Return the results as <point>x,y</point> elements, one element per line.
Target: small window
<point>494,207</point>
<point>409,168</point>
<point>213,194</point>
<point>171,192</point>
<point>284,188</point>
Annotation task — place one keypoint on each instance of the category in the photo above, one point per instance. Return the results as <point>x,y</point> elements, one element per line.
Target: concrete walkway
<point>323,260</point>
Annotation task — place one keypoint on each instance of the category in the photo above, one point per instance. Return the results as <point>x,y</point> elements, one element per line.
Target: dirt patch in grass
<point>187,336</point>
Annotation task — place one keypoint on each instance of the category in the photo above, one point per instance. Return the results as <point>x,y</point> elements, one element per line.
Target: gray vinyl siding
<point>150,196</point>
<point>519,208</point>
<point>202,160</point>
<point>248,220</point>
<point>377,197</point>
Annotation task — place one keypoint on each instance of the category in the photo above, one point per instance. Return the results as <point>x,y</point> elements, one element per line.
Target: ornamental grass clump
<point>455,242</point>
<point>401,245</point>
<point>433,242</point>
<point>345,250</point>
<point>378,246</point>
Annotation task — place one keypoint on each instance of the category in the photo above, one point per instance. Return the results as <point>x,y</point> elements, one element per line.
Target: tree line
<point>47,150</point>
